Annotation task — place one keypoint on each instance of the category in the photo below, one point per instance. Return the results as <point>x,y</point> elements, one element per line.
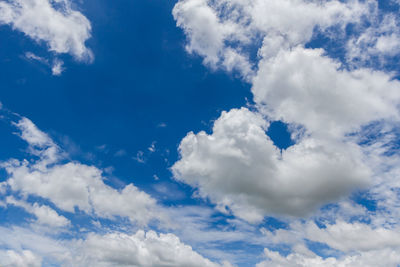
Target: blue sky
<point>199,133</point>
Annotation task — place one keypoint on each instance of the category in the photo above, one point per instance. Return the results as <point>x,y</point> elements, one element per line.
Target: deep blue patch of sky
<point>279,133</point>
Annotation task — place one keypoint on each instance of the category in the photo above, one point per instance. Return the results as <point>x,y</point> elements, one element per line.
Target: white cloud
<point>44,214</point>
<point>57,67</point>
<point>239,167</point>
<point>215,236</point>
<point>18,239</point>
<point>355,236</point>
<point>305,87</point>
<point>152,147</point>
<point>23,259</point>
<point>63,29</point>
<point>3,188</point>
<point>385,257</point>
<point>376,43</point>
<point>32,56</point>
<point>276,18</point>
<point>359,244</point>
<point>47,216</point>
<point>73,185</point>
<point>222,31</point>
<point>348,237</point>
<point>110,249</point>
<point>201,23</point>
<point>32,135</point>
<point>140,249</point>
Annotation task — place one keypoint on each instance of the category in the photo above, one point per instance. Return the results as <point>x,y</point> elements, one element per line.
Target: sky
<point>199,133</point>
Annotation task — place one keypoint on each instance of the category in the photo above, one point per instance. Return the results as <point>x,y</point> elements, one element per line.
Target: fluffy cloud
<point>238,166</point>
<point>141,249</point>
<point>201,23</point>
<point>385,257</point>
<point>222,31</point>
<point>305,87</point>
<point>73,185</point>
<point>355,236</point>
<point>54,22</point>
<point>348,237</point>
<point>352,243</point>
<point>295,20</point>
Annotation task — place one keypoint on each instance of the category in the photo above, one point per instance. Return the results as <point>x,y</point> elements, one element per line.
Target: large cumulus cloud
<point>239,167</point>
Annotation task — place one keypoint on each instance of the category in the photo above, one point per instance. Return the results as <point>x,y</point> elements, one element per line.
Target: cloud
<point>56,23</point>
<point>56,66</point>
<point>217,236</point>
<point>23,259</point>
<point>344,243</point>
<point>305,87</point>
<point>32,135</point>
<point>238,167</point>
<point>224,31</point>
<point>140,249</point>
<point>385,257</point>
<point>201,23</point>
<point>50,238</point>
<point>32,56</point>
<point>139,157</point>
<point>167,190</point>
<point>377,43</point>
<point>152,147</point>
<point>71,185</point>
<point>44,214</point>
<point>120,153</point>
<point>347,237</point>
<point>289,82</point>
<point>354,236</point>
<point>42,247</point>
